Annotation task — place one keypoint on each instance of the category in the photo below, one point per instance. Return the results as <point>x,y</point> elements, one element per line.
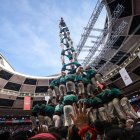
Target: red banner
<point>27,103</point>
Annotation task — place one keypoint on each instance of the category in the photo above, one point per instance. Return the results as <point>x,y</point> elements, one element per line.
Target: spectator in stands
<point>129,123</point>
<point>5,135</point>
<point>136,130</point>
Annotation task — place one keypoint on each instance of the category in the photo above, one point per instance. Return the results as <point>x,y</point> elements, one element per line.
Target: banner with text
<point>126,78</point>
<point>27,103</point>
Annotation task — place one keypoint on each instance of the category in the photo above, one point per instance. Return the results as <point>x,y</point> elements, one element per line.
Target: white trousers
<point>118,108</point>
<point>128,109</point>
<point>68,109</point>
<point>57,120</point>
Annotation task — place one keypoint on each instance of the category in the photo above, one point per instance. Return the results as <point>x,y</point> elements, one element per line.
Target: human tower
<point>79,85</point>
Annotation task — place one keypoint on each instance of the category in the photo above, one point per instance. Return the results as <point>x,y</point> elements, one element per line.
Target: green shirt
<point>102,97</point>
<point>59,108</point>
<point>70,77</point>
<point>72,49</point>
<point>62,80</point>
<point>78,78</point>
<point>49,110</point>
<point>76,63</point>
<point>35,109</point>
<point>72,71</point>
<point>116,93</point>
<point>90,73</point>
<point>42,109</point>
<point>55,82</point>
<point>70,56</point>
<point>70,99</point>
<point>86,79</point>
<point>93,102</point>
<point>67,44</point>
<point>105,96</point>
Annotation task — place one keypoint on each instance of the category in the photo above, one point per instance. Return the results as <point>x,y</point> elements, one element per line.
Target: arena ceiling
<point>124,43</point>
<point>124,50</point>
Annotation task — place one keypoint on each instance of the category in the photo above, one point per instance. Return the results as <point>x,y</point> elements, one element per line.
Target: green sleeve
<point>98,100</point>
<point>62,80</point>
<point>106,96</point>
<point>100,95</point>
<point>78,78</point>
<point>116,92</point>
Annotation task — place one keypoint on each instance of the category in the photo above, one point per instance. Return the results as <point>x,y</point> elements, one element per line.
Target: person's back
<point>73,133</point>
<point>136,131</point>
<point>21,135</point>
<point>117,133</point>
<point>43,136</point>
<point>5,135</point>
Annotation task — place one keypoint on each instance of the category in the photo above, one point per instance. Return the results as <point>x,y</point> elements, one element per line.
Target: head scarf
<point>43,136</point>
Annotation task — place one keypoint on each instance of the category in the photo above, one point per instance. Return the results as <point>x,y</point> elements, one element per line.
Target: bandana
<point>43,136</point>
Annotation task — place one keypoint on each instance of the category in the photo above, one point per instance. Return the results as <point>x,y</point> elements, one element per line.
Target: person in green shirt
<point>35,110</point>
<point>49,111</point>
<point>111,101</point>
<point>73,66</point>
<point>41,114</point>
<point>89,89</point>
<point>115,95</point>
<point>66,53</point>
<point>120,101</point>
<point>62,84</point>
<point>97,106</point>
<point>91,75</point>
<point>70,53</point>
<point>62,56</point>
<point>68,100</point>
<point>107,101</point>
<point>34,115</point>
<point>57,115</point>
<point>94,77</point>
<point>79,80</point>
<point>63,27</point>
<point>100,105</point>
<point>54,85</point>
<point>70,85</point>
<point>128,109</point>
